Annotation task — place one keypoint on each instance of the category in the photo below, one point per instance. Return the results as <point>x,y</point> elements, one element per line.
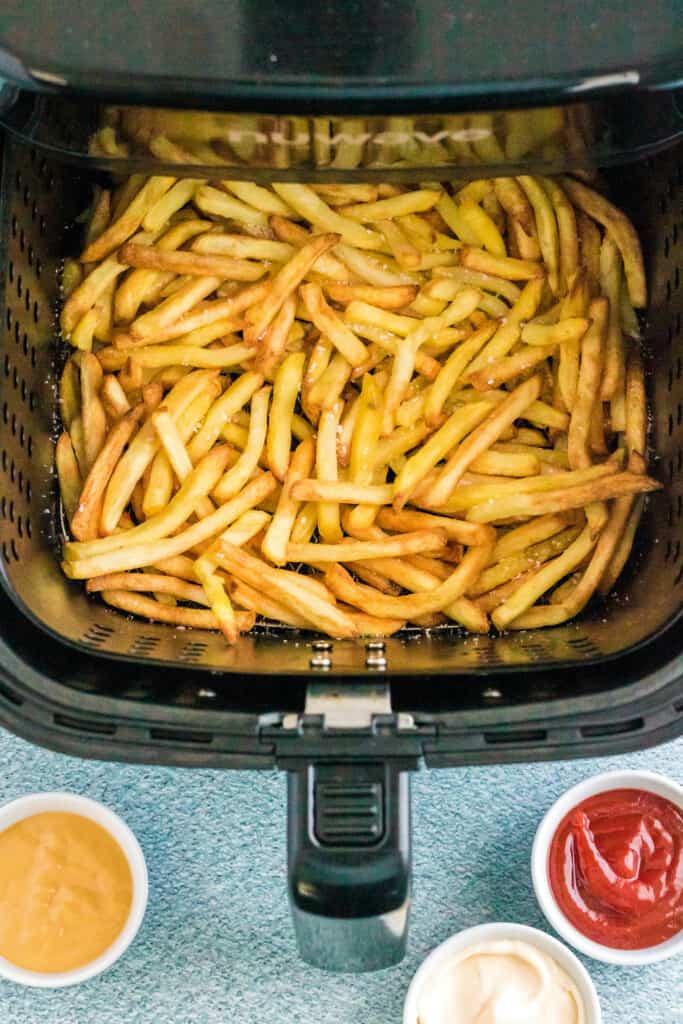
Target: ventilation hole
<point>13,549</point>
<point>676,553</point>
<point>6,365</point>
<point>39,267</point>
<point>96,635</point>
<point>29,488</point>
<point>667,552</point>
<point>666,247</point>
<point>17,332</point>
<point>20,482</point>
<point>24,390</point>
<point>22,240</point>
<point>42,167</point>
<point>192,651</point>
<point>3,460</point>
<point>668,291</point>
<point>20,526</point>
<point>84,725</point>
<point>12,471</point>
<point>670,380</point>
<point>17,181</point>
<point>5,552</point>
<point>42,225</point>
<point>679,414</point>
<point>34,210</point>
<point>24,343</point>
<point>36,313</point>
<point>27,195</point>
<point>29,528</point>
<point>20,286</point>
<point>611,728</point>
<point>5,413</point>
<point>10,512</point>
<point>29,446</point>
<point>14,227</point>
<point>15,378</point>
<point>671,470</point>
<point>32,401</point>
<point>144,645</point>
<point>31,254</point>
<point>22,435</point>
<point>3,507</point>
<point>180,736</point>
<point>521,736</point>
<point>13,425</point>
<point>10,272</point>
<point>27,299</point>
<point>34,358</point>
<point>8,318</point>
<point>674,234</point>
<point>677,277</point>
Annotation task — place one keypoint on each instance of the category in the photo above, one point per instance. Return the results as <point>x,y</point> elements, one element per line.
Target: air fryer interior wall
<point>41,198</point>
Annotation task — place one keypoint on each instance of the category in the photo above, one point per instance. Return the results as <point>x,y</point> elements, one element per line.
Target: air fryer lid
<point>398,54</point>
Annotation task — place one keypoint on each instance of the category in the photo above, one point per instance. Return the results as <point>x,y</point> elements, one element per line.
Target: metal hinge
<point>350,706</point>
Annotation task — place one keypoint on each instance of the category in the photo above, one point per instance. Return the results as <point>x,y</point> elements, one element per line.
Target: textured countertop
<point>216,945</point>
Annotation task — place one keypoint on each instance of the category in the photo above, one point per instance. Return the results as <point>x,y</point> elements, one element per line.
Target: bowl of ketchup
<point>607,867</point>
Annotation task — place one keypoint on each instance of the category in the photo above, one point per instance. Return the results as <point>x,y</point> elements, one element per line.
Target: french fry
<point>508,369</point>
<point>549,574</point>
<point>273,344</point>
<point>410,605</point>
<point>128,222</point>
<point>622,550</point>
<point>588,388</point>
<point>499,266</point>
<point>636,413</point>
<point>546,227</point>
<point>93,416</point>
<point>395,206</point>
<point>352,551</point>
<point>215,201</point>
<point>85,519</point>
<point>568,238</point>
<point>258,197</point>
<point>482,437</point>
<point>453,370</point>
<point>329,526</point>
<point>618,227</point>
<point>408,521</point>
<point>150,257</point>
<point>287,587</point>
<point>244,247</point>
<point>459,425</point>
<point>263,604</point>
<point>150,552</point>
<point>285,392</point>
<point>612,486</point>
<point>69,475</point>
<point>363,448</point>
<point>219,602</point>
<point>610,280</point>
<point>305,201</point>
<point>329,324</point>
<point>507,334</point>
<point>147,583</point>
<point>279,531</point>
<point>393,297</point>
<point>404,251</point>
<point>237,476</point>
<point>193,618</point>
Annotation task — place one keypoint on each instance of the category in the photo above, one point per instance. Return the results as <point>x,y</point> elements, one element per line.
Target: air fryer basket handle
<point>349,863</point>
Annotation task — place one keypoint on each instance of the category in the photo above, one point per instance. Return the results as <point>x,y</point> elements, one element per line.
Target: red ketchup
<point>616,868</point>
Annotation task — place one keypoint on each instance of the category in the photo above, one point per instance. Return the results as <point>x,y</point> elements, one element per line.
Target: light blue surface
<point>216,945</point>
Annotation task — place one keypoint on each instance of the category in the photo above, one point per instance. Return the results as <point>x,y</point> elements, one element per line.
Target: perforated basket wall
<point>40,200</point>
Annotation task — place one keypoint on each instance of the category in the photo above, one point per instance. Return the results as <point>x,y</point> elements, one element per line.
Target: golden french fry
<point>588,387</point>
<point>139,554</point>
<point>636,413</point>
<point>612,486</point>
<point>482,437</point>
<point>258,197</point>
<point>457,426</point>
<point>304,200</point>
<point>92,412</point>
<point>329,525</point>
<point>610,282</point>
<point>148,608</point>
<point>271,348</point>
<point>150,257</point>
<point>407,521</point>
<point>404,251</point>
<point>352,551</point>
<point>128,222</point>
<point>213,200</point>
<point>85,519</point>
<point>543,580</point>
<point>147,583</point>
<point>394,297</point>
<point>453,370</point>
<point>285,392</point>
<point>286,586</point>
<point>329,324</point>
<point>396,206</point>
<point>363,447</point>
<point>237,476</point>
<point>69,475</point>
<point>410,605</point>
<point>508,369</point>
<point>507,334</point>
<point>631,511</point>
<point>499,266</point>
<point>263,604</point>
<point>279,531</point>
<point>546,227</point>
<point>618,227</point>
<point>568,239</point>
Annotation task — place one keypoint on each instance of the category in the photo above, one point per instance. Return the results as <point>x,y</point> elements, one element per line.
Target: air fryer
<point>348,720</point>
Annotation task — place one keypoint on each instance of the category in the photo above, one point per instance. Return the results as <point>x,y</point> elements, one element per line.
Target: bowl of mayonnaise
<point>501,972</point>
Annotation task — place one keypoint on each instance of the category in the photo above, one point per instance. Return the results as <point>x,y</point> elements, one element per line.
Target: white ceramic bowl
<point>37,803</point>
<point>652,783</point>
<point>495,932</point>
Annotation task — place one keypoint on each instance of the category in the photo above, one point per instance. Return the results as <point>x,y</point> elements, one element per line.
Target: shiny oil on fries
<point>345,408</point>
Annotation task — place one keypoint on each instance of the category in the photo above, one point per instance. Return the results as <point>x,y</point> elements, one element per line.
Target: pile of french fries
<point>348,408</point>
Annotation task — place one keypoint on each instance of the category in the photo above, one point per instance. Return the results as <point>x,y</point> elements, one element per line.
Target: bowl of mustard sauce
<point>73,889</point>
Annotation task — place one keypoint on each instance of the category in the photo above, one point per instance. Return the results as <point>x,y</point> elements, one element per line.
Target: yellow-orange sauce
<point>65,891</point>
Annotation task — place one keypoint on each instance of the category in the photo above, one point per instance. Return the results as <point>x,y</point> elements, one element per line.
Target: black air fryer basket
<point>348,719</point>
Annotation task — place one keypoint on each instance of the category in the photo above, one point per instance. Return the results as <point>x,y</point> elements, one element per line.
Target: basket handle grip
<point>349,862</point>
